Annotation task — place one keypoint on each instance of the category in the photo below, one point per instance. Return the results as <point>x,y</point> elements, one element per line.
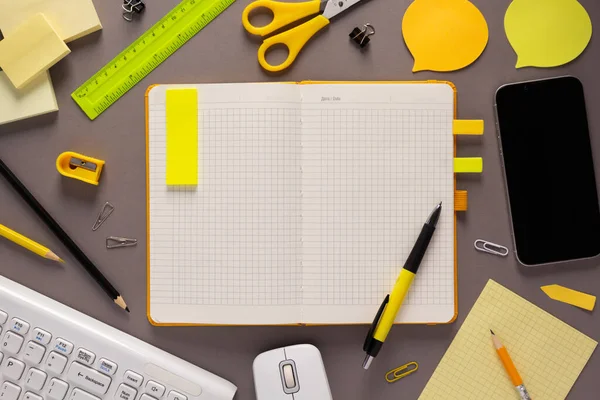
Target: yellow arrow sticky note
<point>547,33</point>
<point>444,35</point>
<point>570,296</point>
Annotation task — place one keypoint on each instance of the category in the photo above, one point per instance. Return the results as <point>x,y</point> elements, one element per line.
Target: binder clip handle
<point>131,7</point>
<point>361,36</point>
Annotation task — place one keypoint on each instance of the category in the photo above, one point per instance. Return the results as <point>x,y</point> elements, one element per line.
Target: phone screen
<point>549,170</point>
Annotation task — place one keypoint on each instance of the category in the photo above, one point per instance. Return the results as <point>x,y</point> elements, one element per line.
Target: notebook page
<point>548,353</point>
<point>228,250</point>
<point>376,159</point>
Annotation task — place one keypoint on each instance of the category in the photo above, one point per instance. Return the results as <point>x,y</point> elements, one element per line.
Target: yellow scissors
<point>285,14</point>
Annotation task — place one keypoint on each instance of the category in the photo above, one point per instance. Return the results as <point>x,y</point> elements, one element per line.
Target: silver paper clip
<point>107,209</point>
<point>491,248</point>
<point>114,242</point>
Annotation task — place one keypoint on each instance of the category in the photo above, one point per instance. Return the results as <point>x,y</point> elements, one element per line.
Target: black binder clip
<point>131,7</point>
<point>361,36</point>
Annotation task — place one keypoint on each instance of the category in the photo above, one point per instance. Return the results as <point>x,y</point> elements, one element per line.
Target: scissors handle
<point>283,14</point>
<point>294,40</point>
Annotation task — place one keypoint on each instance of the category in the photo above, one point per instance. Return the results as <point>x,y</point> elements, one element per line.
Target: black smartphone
<point>548,170</point>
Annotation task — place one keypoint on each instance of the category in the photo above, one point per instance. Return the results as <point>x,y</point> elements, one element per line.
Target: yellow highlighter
<point>28,244</point>
<point>384,319</point>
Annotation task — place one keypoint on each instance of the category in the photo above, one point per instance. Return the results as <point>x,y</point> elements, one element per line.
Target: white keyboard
<point>52,352</point>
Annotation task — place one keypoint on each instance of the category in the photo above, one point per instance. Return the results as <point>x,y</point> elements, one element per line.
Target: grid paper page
<point>548,353</point>
<point>227,251</point>
<point>375,163</point>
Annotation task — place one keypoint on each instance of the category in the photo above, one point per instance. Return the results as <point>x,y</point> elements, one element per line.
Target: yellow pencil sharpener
<point>78,166</point>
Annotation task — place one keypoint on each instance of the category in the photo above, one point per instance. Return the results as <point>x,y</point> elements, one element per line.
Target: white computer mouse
<point>291,373</point>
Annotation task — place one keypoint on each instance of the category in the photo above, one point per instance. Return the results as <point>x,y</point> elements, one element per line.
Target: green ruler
<point>146,53</point>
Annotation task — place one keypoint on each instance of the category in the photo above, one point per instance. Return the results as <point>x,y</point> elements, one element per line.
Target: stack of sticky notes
<point>35,32</point>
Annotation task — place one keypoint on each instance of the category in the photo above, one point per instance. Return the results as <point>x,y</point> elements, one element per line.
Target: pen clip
<point>369,337</point>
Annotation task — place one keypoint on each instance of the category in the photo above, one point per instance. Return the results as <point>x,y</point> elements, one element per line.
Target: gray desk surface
<point>224,53</point>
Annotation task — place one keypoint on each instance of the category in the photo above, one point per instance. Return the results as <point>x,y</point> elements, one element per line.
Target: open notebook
<point>308,200</point>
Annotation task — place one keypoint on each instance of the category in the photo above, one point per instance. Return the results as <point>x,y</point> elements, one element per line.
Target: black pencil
<point>62,235</point>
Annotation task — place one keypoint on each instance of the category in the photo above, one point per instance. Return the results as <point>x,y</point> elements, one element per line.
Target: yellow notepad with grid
<point>548,353</point>
<point>300,202</point>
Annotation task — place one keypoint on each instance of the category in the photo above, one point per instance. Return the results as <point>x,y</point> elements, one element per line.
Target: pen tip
<point>440,204</point>
<point>127,309</point>
<point>492,332</point>
<point>60,260</point>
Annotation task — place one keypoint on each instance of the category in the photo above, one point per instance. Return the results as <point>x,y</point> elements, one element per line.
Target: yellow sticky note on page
<point>182,136</point>
<point>570,296</point>
<point>547,33</point>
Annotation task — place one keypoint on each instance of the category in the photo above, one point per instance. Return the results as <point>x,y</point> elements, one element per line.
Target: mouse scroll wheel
<point>288,376</point>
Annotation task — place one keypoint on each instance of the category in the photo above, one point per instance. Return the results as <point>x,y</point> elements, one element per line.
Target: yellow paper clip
<point>401,372</point>
<point>78,166</point>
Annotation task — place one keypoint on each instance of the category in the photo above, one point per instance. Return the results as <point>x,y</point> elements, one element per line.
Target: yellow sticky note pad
<point>444,35</point>
<point>36,99</point>
<point>570,296</point>
<point>467,127</point>
<point>468,165</point>
<point>30,50</point>
<point>547,33</point>
<point>182,136</point>
<point>71,19</point>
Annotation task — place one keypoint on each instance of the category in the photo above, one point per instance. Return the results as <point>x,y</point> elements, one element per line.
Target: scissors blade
<point>334,7</point>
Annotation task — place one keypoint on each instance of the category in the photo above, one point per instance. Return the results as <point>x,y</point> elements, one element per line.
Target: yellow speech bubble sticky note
<point>444,35</point>
<point>547,33</point>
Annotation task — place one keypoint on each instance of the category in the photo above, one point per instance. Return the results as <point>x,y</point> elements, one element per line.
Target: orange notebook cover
<point>305,202</point>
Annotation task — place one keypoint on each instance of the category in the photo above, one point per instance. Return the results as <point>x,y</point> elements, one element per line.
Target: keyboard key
<point>147,397</point>
<point>12,342</point>
<point>78,394</point>
<point>57,389</point>
<point>85,356</point>
<point>133,378</point>
<point>9,391</point>
<point>155,389</point>
<point>32,396</point>
<point>107,366</point>
<point>13,369</point>
<point>56,363</point>
<point>173,395</point>
<point>18,325</point>
<point>89,379</point>
<point>35,379</point>
<point>34,352</point>
<point>63,346</point>
<point>125,392</point>
<point>41,336</point>
<point>3,317</point>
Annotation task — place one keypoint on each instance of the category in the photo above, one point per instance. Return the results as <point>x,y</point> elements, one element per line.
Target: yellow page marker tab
<point>467,127</point>
<point>468,165</point>
<point>570,296</point>
<point>547,33</point>
<point>30,50</point>
<point>182,136</point>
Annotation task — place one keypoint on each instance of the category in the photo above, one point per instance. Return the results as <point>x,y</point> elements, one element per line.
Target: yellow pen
<point>384,319</point>
<point>28,244</point>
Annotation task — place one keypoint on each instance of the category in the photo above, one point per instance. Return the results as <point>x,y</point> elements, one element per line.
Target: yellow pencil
<point>28,244</point>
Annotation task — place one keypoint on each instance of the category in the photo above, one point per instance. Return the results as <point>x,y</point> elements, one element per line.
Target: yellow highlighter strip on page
<point>182,136</point>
